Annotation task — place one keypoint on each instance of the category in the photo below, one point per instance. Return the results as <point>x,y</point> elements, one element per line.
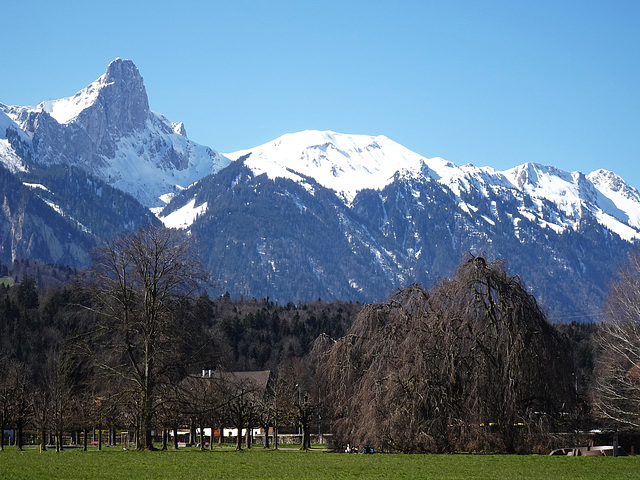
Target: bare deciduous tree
<point>140,282</point>
<point>617,376</point>
<point>16,402</point>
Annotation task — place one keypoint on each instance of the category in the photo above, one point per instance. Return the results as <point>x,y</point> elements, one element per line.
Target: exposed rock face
<point>121,107</point>
<point>116,106</point>
<point>123,99</point>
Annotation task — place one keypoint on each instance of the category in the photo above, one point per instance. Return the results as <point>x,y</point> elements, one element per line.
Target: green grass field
<point>190,463</point>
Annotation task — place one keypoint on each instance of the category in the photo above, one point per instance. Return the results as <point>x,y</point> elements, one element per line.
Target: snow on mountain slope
<point>153,162</point>
<point>347,164</point>
<point>185,216</point>
<point>614,204</point>
<point>343,163</point>
<point>8,156</point>
<point>624,197</point>
<point>67,109</point>
<point>108,130</point>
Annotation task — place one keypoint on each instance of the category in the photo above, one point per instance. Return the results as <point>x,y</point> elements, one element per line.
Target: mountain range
<point>310,214</point>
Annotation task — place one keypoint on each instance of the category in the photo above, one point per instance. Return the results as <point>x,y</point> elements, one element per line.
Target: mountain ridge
<point>608,198</point>
<point>313,214</point>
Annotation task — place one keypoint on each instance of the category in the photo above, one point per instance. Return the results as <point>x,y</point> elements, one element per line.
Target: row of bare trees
<point>143,341</point>
<point>246,400</point>
<point>128,363</point>
<point>215,400</point>
<point>470,364</point>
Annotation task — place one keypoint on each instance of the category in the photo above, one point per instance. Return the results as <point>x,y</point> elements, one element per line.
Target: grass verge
<point>257,463</point>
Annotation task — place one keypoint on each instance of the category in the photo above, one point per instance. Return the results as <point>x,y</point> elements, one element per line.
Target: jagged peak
<point>122,70</point>
<point>123,86</point>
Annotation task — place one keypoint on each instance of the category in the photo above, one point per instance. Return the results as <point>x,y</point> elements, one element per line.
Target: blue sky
<point>494,83</point>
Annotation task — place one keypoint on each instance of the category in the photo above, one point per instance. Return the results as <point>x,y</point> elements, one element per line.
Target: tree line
<point>121,344</point>
<point>471,364</point>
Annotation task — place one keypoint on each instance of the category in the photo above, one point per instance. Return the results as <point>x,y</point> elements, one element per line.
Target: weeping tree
<point>616,391</point>
<point>471,364</point>
<point>143,284</point>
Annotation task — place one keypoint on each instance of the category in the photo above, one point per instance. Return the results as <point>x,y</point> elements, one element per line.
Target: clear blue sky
<point>494,83</point>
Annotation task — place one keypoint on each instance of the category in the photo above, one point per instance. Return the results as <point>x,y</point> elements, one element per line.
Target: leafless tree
<point>279,405</point>
<point>471,364</point>
<point>617,375</point>
<point>140,282</point>
<point>12,387</point>
<point>203,399</point>
<point>297,397</point>
<point>16,407</point>
<point>243,399</point>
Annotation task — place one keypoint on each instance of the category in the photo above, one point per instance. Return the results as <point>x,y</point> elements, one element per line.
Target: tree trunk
<point>146,442</point>
<point>85,434</point>
<point>201,438</point>
<point>221,435</point>
<point>43,432</point>
<point>306,438</point>
<point>43,438</point>
<point>146,411</point>
<point>165,437</point>
<point>275,436</point>
<point>266,437</point>
<point>175,437</point>
<point>148,439</point>
<point>239,438</point>
<point>18,439</point>
<point>249,436</point>
<point>192,432</point>
<point>100,436</point>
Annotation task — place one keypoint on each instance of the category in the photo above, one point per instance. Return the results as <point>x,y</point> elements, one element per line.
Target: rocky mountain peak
<point>123,96</point>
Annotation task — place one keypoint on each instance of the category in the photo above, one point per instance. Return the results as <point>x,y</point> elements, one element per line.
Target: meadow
<point>191,463</point>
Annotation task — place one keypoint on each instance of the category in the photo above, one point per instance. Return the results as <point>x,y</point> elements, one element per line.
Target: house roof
<point>257,381</point>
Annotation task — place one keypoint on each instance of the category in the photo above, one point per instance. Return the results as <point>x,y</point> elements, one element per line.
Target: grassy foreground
<point>193,464</point>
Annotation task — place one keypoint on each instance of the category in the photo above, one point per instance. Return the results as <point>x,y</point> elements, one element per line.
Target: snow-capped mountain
<point>345,164</point>
<point>311,214</point>
<point>323,214</point>
<point>348,164</point>
<point>108,130</point>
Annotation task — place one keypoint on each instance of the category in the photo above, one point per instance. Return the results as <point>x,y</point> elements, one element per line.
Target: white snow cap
<point>343,163</point>
<point>347,164</point>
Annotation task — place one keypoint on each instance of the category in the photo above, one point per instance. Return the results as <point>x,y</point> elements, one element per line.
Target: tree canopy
<point>471,364</point>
